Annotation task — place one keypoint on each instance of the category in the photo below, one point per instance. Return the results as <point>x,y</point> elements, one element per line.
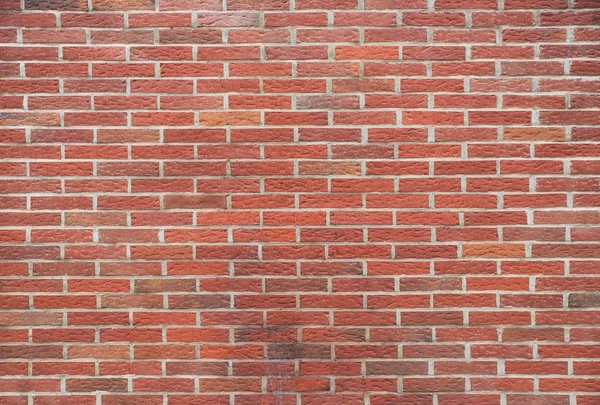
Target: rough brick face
<point>299,202</point>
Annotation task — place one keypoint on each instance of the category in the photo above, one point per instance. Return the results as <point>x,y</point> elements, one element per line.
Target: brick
<point>366,52</point>
<point>378,19</point>
<point>116,36</point>
<point>323,201</point>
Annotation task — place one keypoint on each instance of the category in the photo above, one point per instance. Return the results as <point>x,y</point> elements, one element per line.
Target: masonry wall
<point>299,202</point>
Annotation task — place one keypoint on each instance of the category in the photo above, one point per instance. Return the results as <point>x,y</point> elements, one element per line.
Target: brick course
<point>299,202</point>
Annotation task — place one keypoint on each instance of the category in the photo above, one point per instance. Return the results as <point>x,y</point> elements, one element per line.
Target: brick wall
<point>299,202</point>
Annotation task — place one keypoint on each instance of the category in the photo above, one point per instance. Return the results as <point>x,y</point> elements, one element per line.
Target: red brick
<point>320,201</point>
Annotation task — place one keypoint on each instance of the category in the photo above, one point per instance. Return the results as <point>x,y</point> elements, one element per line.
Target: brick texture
<point>299,202</point>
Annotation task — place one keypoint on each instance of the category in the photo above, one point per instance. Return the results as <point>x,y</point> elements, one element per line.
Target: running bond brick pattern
<point>300,202</point>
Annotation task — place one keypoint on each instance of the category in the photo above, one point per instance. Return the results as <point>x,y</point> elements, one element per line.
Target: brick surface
<point>299,202</point>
